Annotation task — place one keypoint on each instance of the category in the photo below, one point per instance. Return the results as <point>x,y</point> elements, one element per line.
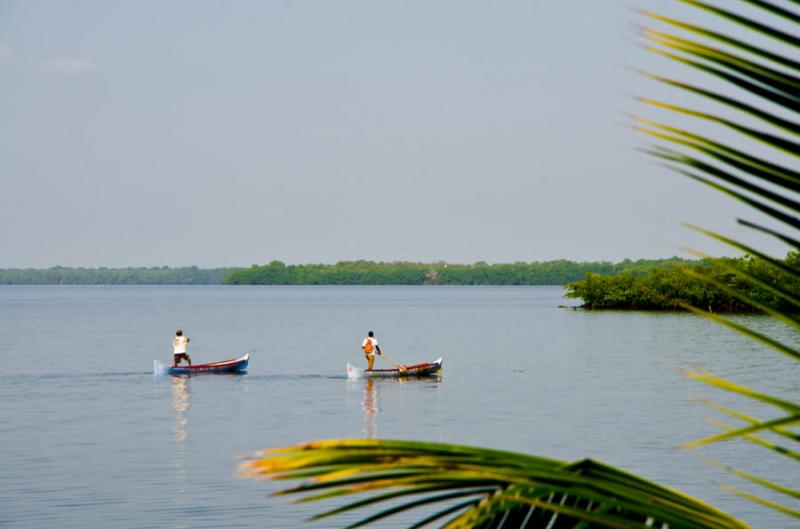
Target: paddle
<point>400,367</point>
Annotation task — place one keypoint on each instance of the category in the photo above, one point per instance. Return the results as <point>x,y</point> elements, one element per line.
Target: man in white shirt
<point>179,349</point>
<point>370,347</point>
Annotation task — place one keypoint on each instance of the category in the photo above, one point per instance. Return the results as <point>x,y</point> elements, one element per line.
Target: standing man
<point>179,349</point>
<point>370,347</point>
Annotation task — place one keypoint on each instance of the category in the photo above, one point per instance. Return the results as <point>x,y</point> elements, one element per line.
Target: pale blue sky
<point>232,133</point>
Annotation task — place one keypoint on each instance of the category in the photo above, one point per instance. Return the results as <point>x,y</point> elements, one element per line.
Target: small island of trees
<point>716,285</point>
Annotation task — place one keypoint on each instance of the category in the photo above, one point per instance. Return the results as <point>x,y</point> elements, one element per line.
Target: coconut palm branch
<point>479,488</point>
<point>762,86</point>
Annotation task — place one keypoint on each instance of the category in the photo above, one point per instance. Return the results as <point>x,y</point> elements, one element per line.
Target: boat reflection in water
<point>370,405</point>
<point>427,389</point>
<point>181,403</point>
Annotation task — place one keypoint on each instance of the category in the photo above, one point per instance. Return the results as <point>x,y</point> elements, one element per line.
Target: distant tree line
<point>673,285</point>
<point>59,275</point>
<point>410,273</point>
<point>641,284</point>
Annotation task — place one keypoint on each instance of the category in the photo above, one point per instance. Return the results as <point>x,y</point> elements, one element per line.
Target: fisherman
<point>179,349</point>
<point>370,347</point>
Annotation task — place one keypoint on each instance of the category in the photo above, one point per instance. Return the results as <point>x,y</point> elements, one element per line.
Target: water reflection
<point>414,388</point>
<point>181,403</point>
<point>370,406</point>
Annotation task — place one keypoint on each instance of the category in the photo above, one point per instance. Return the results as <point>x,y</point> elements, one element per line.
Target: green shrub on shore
<point>707,284</point>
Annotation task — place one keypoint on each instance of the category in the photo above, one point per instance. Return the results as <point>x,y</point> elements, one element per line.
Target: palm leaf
<point>743,329</point>
<point>764,169</point>
<point>794,513</point>
<point>695,163</point>
<point>746,108</point>
<point>751,24</point>
<point>764,74</point>
<point>728,40</point>
<point>771,286</point>
<point>768,87</point>
<point>787,239</point>
<point>746,418</point>
<point>501,485</point>
<point>713,380</point>
<point>770,140</point>
<point>749,250</point>
<point>781,489</point>
<point>781,450</point>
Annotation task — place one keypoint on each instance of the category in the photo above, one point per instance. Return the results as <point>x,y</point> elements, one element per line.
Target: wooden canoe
<point>234,365</point>
<point>419,370</point>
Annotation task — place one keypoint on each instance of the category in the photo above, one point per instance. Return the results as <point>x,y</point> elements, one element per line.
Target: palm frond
<point>752,420</point>
<point>781,450</point>
<point>746,108</point>
<point>775,141</point>
<point>772,286</point>
<point>743,329</point>
<point>786,239</point>
<point>679,159</point>
<point>788,318</point>
<point>727,40</point>
<point>749,250</point>
<point>794,513</point>
<point>764,169</point>
<point>781,489</point>
<point>498,485</point>
<point>775,79</point>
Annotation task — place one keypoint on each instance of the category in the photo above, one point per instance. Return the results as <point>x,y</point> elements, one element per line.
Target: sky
<point>233,133</point>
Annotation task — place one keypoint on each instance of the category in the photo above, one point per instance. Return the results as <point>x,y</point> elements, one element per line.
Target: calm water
<point>90,438</point>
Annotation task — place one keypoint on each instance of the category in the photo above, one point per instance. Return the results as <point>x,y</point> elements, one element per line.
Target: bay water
<point>90,438</point>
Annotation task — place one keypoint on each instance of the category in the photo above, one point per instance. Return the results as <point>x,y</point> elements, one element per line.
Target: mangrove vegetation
<point>556,272</point>
<point>715,285</point>
<point>163,275</point>
<point>409,273</point>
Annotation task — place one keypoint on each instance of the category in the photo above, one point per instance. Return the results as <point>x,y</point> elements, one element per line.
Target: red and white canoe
<point>419,370</point>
